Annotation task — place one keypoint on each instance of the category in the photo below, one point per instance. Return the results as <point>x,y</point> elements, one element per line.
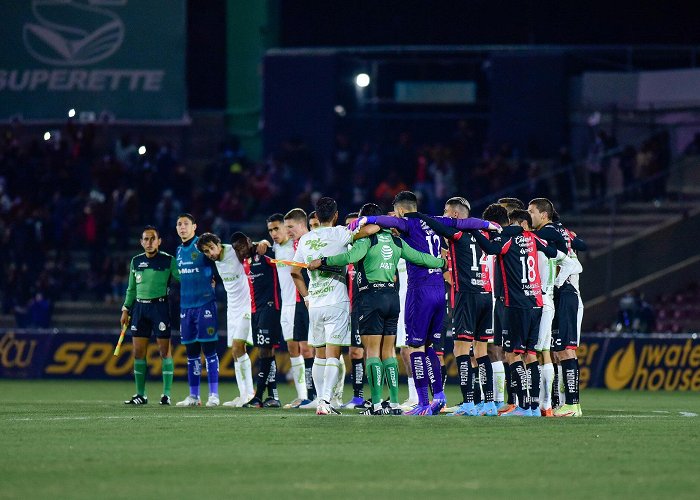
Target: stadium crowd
<point>66,192</point>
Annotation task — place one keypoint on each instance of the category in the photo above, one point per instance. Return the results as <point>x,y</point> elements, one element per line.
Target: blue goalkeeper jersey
<point>196,273</point>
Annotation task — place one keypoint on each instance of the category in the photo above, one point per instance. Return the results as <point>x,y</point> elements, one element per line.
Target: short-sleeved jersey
<point>470,264</point>
<point>284,274</point>
<point>304,274</point>
<point>149,277</point>
<point>325,288</point>
<point>518,266</point>
<point>235,279</point>
<point>196,274</point>
<point>265,283</point>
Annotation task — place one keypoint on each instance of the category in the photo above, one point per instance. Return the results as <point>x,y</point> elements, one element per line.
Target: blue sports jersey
<point>196,272</point>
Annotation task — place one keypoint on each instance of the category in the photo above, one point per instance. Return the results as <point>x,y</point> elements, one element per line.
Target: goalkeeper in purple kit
<point>425,299</point>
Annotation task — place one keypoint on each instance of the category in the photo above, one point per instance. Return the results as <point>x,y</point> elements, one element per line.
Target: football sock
<point>330,378</point>
<point>569,367</point>
<point>476,386</point>
<point>298,374</point>
<point>575,396</point>
<point>533,384</point>
<point>240,381</point>
<point>412,394</point>
<point>140,376</point>
<point>246,374</point>
<point>358,375</point>
<point>499,380</point>
<point>339,386</point>
<point>519,381</point>
<point>443,370</point>
<point>432,366</point>
<point>463,369</point>
<point>272,381</point>
<point>420,376</point>
<point>374,378</point>
<point>561,384</point>
<point>391,374</point>
<point>194,370</point>
<point>510,388</point>
<point>166,370</point>
<point>486,378</point>
<point>310,387</point>
<point>213,372</point>
<point>317,372</point>
<point>264,366</point>
<point>546,386</point>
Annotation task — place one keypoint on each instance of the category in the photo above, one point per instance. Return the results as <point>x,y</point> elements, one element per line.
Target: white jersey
<point>548,271</point>
<point>325,288</point>
<point>403,281</point>
<point>284,272</point>
<point>235,279</point>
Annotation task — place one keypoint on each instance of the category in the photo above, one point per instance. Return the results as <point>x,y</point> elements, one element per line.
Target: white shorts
<point>238,326</point>
<point>544,339</point>
<point>401,325</point>
<point>287,321</point>
<point>329,325</point>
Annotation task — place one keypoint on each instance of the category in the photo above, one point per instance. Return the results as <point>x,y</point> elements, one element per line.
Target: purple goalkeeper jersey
<point>420,237</point>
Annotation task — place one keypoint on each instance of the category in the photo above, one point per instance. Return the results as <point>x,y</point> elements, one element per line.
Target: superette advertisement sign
<point>122,60</point>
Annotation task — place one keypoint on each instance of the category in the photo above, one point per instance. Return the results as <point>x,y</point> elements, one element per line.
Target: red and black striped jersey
<point>265,286</point>
<point>470,269</point>
<point>517,263</point>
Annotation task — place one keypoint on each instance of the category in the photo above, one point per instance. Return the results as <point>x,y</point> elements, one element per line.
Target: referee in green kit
<point>146,311</point>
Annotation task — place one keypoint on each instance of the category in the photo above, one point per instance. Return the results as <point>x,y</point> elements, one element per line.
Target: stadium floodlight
<point>47,136</point>
<point>362,80</point>
<point>71,113</point>
<point>142,150</point>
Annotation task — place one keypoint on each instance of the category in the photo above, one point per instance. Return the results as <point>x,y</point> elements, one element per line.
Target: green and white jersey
<point>288,289</point>
<point>548,271</point>
<point>235,279</point>
<point>325,288</point>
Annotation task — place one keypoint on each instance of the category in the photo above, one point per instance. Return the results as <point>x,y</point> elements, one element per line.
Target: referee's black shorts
<point>150,317</point>
<point>378,311</point>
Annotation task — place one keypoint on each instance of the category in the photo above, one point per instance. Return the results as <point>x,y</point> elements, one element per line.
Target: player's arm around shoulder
<point>355,254</point>
<point>420,258</point>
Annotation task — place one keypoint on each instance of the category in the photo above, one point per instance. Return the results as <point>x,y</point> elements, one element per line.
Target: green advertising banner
<point>122,60</point>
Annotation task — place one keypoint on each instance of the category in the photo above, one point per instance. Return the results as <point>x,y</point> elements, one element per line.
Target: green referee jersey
<point>378,256</point>
<point>149,277</point>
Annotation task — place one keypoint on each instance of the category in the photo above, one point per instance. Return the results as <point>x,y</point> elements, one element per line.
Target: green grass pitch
<point>75,439</point>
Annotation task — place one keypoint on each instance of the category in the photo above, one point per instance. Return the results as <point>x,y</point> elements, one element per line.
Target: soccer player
<point>313,221</point>
<point>265,305</point>
<point>146,311</point>
<point>284,248</point>
<point>425,300</point>
<point>402,283</point>
<point>517,261</point>
<point>198,318</point>
<point>357,354</point>
<point>565,332</point>
<point>295,221</point>
<point>327,298</point>
<point>231,269</point>
<point>376,258</point>
<point>541,211</point>
<point>473,310</point>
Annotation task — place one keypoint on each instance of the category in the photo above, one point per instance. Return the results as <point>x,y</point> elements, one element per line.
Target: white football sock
<point>317,373</point>
<point>330,378</point>
<point>546,380</point>
<point>298,376</point>
<point>562,396</point>
<point>412,394</point>
<point>240,381</point>
<point>499,381</point>
<point>340,384</point>
<point>247,372</point>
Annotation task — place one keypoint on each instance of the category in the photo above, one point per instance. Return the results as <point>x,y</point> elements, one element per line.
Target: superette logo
<point>71,33</point>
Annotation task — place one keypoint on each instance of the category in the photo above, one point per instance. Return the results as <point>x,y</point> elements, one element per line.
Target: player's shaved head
<point>296,214</point>
<point>406,200</point>
<point>459,205</point>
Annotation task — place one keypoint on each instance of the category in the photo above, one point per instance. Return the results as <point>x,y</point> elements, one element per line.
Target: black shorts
<point>301,323</point>
<point>378,312</point>
<point>500,323</point>
<point>523,329</point>
<point>565,335</point>
<point>267,330</point>
<point>150,318</point>
<point>473,317</point>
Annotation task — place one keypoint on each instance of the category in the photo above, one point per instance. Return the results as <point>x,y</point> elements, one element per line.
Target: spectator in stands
<point>39,311</point>
<point>635,314</point>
